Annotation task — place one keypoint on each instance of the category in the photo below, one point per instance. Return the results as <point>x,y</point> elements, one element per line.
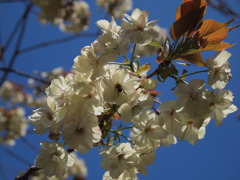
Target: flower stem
<point>132,58</point>
<point>120,134</point>
<point>197,72</point>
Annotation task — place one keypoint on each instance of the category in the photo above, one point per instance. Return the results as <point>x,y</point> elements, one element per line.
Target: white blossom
<point>192,122</point>
<point>60,90</point>
<point>220,104</point>
<point>139,30</point>
<point>79,168</point>
<point>116,8</point>
<point>54,159</point>
<point>70,16</point>
<point>87,96</point>
<point>13,93</point>
<point>219,72</point>
<point>49,10</point>
<point>137,103</point>
<point>112,43</point>
<point>88,64</point>
<point>84,128</point>
<point>12,125</point>
<point>119,86</point>
<point>44,120</point>
<point>147,130</point>
<point>145,156</point>
<point>118,159</point>
<point>147,50</point>
<point>129,174</point>
<point>78,19</point>
<point>169,115</point>
<point>149,84</point>
<point>191,92</point>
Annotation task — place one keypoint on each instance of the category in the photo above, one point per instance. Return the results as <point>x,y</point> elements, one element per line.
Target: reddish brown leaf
<point>193,58</point>
<point>213,31</point>
<point>216,46</point>
<point>188,6</point>
<point>232,28</point>
<point>187,23</point>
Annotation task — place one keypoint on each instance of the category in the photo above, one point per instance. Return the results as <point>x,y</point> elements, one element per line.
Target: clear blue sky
<point>217,156</point>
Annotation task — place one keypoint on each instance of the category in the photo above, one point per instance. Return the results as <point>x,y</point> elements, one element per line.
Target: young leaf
<point>211,31</point>
<point>156,44</point>
<point>193,58</point>
<point>143,68</point>
<point>216,46</point>
<point>188,6</point>
<point>186,23</point>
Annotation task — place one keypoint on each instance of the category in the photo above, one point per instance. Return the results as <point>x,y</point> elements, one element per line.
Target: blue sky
<point>215,157</point>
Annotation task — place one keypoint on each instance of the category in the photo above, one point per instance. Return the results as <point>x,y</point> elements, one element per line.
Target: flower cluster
<point>88,102</point>
<point>14,94</point>
<point>13,125</point>
<point>77,171</point>
<point>116,8</point>
<point>71,16</point>
<point>57,162</point>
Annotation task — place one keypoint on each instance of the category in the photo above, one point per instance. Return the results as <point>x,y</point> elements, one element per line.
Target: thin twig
<point>57,41</point>
<point>18,43</point>
<point>26,75</point>
<point>13,33</point>
<point>223,7</point>
<point>120,134</point>
<point>132,58</point>
<point>156,101</point>
<point>153,74</point>
<point>197,72</point>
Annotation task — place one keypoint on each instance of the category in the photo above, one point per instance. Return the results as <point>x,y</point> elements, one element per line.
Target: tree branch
<point>223,7</point>
<point>57,41</point>
<point>29,172</point>
<point>18,43</point>
<point>26,75</point>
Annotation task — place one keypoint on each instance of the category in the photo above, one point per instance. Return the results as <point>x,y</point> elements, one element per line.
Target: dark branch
<point>223,7</point>
<point>26,75</point>
<point>14,32</point>
<point>18,43</point>
<point>29,172</point>
<point>70,150</point>
<point>57,41</point>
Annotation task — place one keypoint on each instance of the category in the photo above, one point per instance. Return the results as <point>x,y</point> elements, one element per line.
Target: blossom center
<point>118,87</point>
<point>121,157</point>
<point>140,28</point>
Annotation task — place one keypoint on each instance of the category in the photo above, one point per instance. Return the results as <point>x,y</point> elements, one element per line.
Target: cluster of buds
<point>70,15</point>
